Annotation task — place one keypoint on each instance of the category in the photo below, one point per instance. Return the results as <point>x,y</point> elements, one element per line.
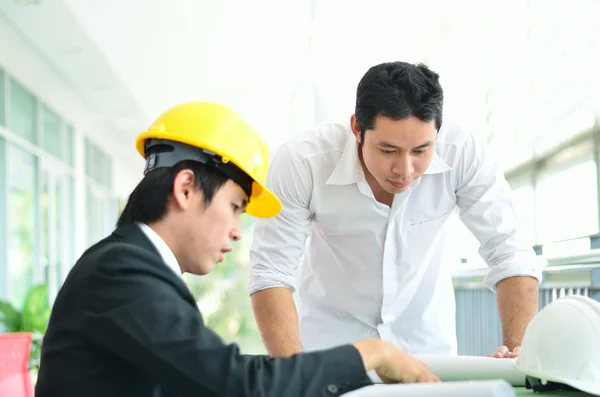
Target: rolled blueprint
<point>487,388</point>
<point>465,368</point>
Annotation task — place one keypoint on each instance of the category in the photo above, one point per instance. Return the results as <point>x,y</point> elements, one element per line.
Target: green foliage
<point>10,318</point>
<point>36,310</point>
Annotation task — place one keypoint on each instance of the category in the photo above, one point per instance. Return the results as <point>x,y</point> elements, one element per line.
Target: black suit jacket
<point>124,324</point>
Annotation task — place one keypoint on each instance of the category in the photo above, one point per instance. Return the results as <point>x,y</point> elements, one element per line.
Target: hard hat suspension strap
<point>538,387</point>
<point>162,153</point>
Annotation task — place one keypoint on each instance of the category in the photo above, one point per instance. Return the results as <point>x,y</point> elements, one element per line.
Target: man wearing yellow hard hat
<point>125,324</point>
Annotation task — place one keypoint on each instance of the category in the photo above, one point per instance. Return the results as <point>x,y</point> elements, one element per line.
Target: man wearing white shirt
<point>365,206</point>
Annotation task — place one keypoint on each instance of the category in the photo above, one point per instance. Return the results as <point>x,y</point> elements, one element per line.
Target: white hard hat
<point>562,345</point>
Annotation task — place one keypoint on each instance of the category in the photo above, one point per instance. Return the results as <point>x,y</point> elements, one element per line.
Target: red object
<point>15,379</point>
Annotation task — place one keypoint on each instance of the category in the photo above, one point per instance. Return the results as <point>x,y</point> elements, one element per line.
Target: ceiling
<point>524,72</point>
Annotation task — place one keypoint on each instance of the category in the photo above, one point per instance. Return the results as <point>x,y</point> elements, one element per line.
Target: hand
<point>400,367</point>
<point>503,352</point>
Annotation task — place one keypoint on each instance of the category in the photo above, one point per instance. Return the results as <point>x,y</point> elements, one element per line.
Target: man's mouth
<point>399,184</point>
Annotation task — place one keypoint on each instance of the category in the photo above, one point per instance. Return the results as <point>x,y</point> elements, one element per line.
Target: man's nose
<point>236,233</point>
<point>403,166</point>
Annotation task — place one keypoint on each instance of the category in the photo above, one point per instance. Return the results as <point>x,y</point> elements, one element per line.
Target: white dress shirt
<point>162,248</point>
<point>368,270</point>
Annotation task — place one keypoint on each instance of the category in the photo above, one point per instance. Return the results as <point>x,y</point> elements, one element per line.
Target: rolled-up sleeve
<point>486,208</point>
<point>278,243</point>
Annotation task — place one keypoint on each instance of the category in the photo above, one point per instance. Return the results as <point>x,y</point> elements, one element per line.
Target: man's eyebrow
<point>423,146</point>
<point>390,146</point>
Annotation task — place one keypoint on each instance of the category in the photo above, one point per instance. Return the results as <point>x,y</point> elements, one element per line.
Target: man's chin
<point>204,269</point>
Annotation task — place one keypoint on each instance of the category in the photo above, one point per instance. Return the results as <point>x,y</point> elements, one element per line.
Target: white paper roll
<point>465,368</point>
<point>488,388</point>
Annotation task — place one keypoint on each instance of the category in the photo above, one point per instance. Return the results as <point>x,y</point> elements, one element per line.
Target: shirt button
<point>333,389</point>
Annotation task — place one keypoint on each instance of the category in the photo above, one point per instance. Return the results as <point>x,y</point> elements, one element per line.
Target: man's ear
<point>355,126</point>
<point>184,188</point>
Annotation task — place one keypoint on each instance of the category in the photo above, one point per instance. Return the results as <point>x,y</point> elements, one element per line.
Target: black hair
<point>398,90</point>
<point>148,201</point>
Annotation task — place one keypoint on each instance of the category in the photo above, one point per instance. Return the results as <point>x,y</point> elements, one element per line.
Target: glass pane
<point>45,202</point>
<point>22,112</point>
<point>97,169</point>
<point>65,226</point>
<point>51,221</point>
<point>51,136</point>
<point>69,156</point>
<point>2,98</point>
<point>94,162</point>
<point>100,166</point>
<point>21,214</point>
<point>88,157</point>
<point>107,168</point>
<point>70,225</point>
<point>4,281</point>
<point>95,222</point>
<point>57,229</point>
<point>567,203</point>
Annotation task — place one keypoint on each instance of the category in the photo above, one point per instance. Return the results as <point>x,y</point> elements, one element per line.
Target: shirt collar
<point>437,166</point>
<point>348,169</point>
<point>162,248</point>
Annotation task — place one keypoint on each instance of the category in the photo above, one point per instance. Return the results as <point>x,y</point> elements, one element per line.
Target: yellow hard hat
<point>216,135</point>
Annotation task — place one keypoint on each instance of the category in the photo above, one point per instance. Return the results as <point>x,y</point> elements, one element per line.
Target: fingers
<point>502,352</point>
<point>515,352</point>
<point>427,377</point>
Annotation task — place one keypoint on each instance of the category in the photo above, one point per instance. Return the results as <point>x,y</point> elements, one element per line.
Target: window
<point>52,133</point>
<point>2,98</point>
<point>101,214</point>
<point>56,227</point>
<point>23,107</point>
<point>68,148</point>
<point>567,203</point>
<point>3,221</point>
<point>98,165</point>
<point>22,203</point>
<point>94,215</point>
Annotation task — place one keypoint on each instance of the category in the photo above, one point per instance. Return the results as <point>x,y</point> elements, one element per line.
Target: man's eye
<point>387,151</point>
<point>235,207</point>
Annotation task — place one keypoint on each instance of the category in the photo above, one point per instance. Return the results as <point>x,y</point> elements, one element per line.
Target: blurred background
<point>80,78</point>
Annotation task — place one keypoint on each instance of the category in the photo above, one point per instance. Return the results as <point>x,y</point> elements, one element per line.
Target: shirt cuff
<point>533,268</point>
<point>259,283</point>
<point>372,374</point>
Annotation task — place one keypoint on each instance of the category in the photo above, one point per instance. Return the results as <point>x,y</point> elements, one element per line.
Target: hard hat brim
<point>263,205</point>
<point>587,386</point>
